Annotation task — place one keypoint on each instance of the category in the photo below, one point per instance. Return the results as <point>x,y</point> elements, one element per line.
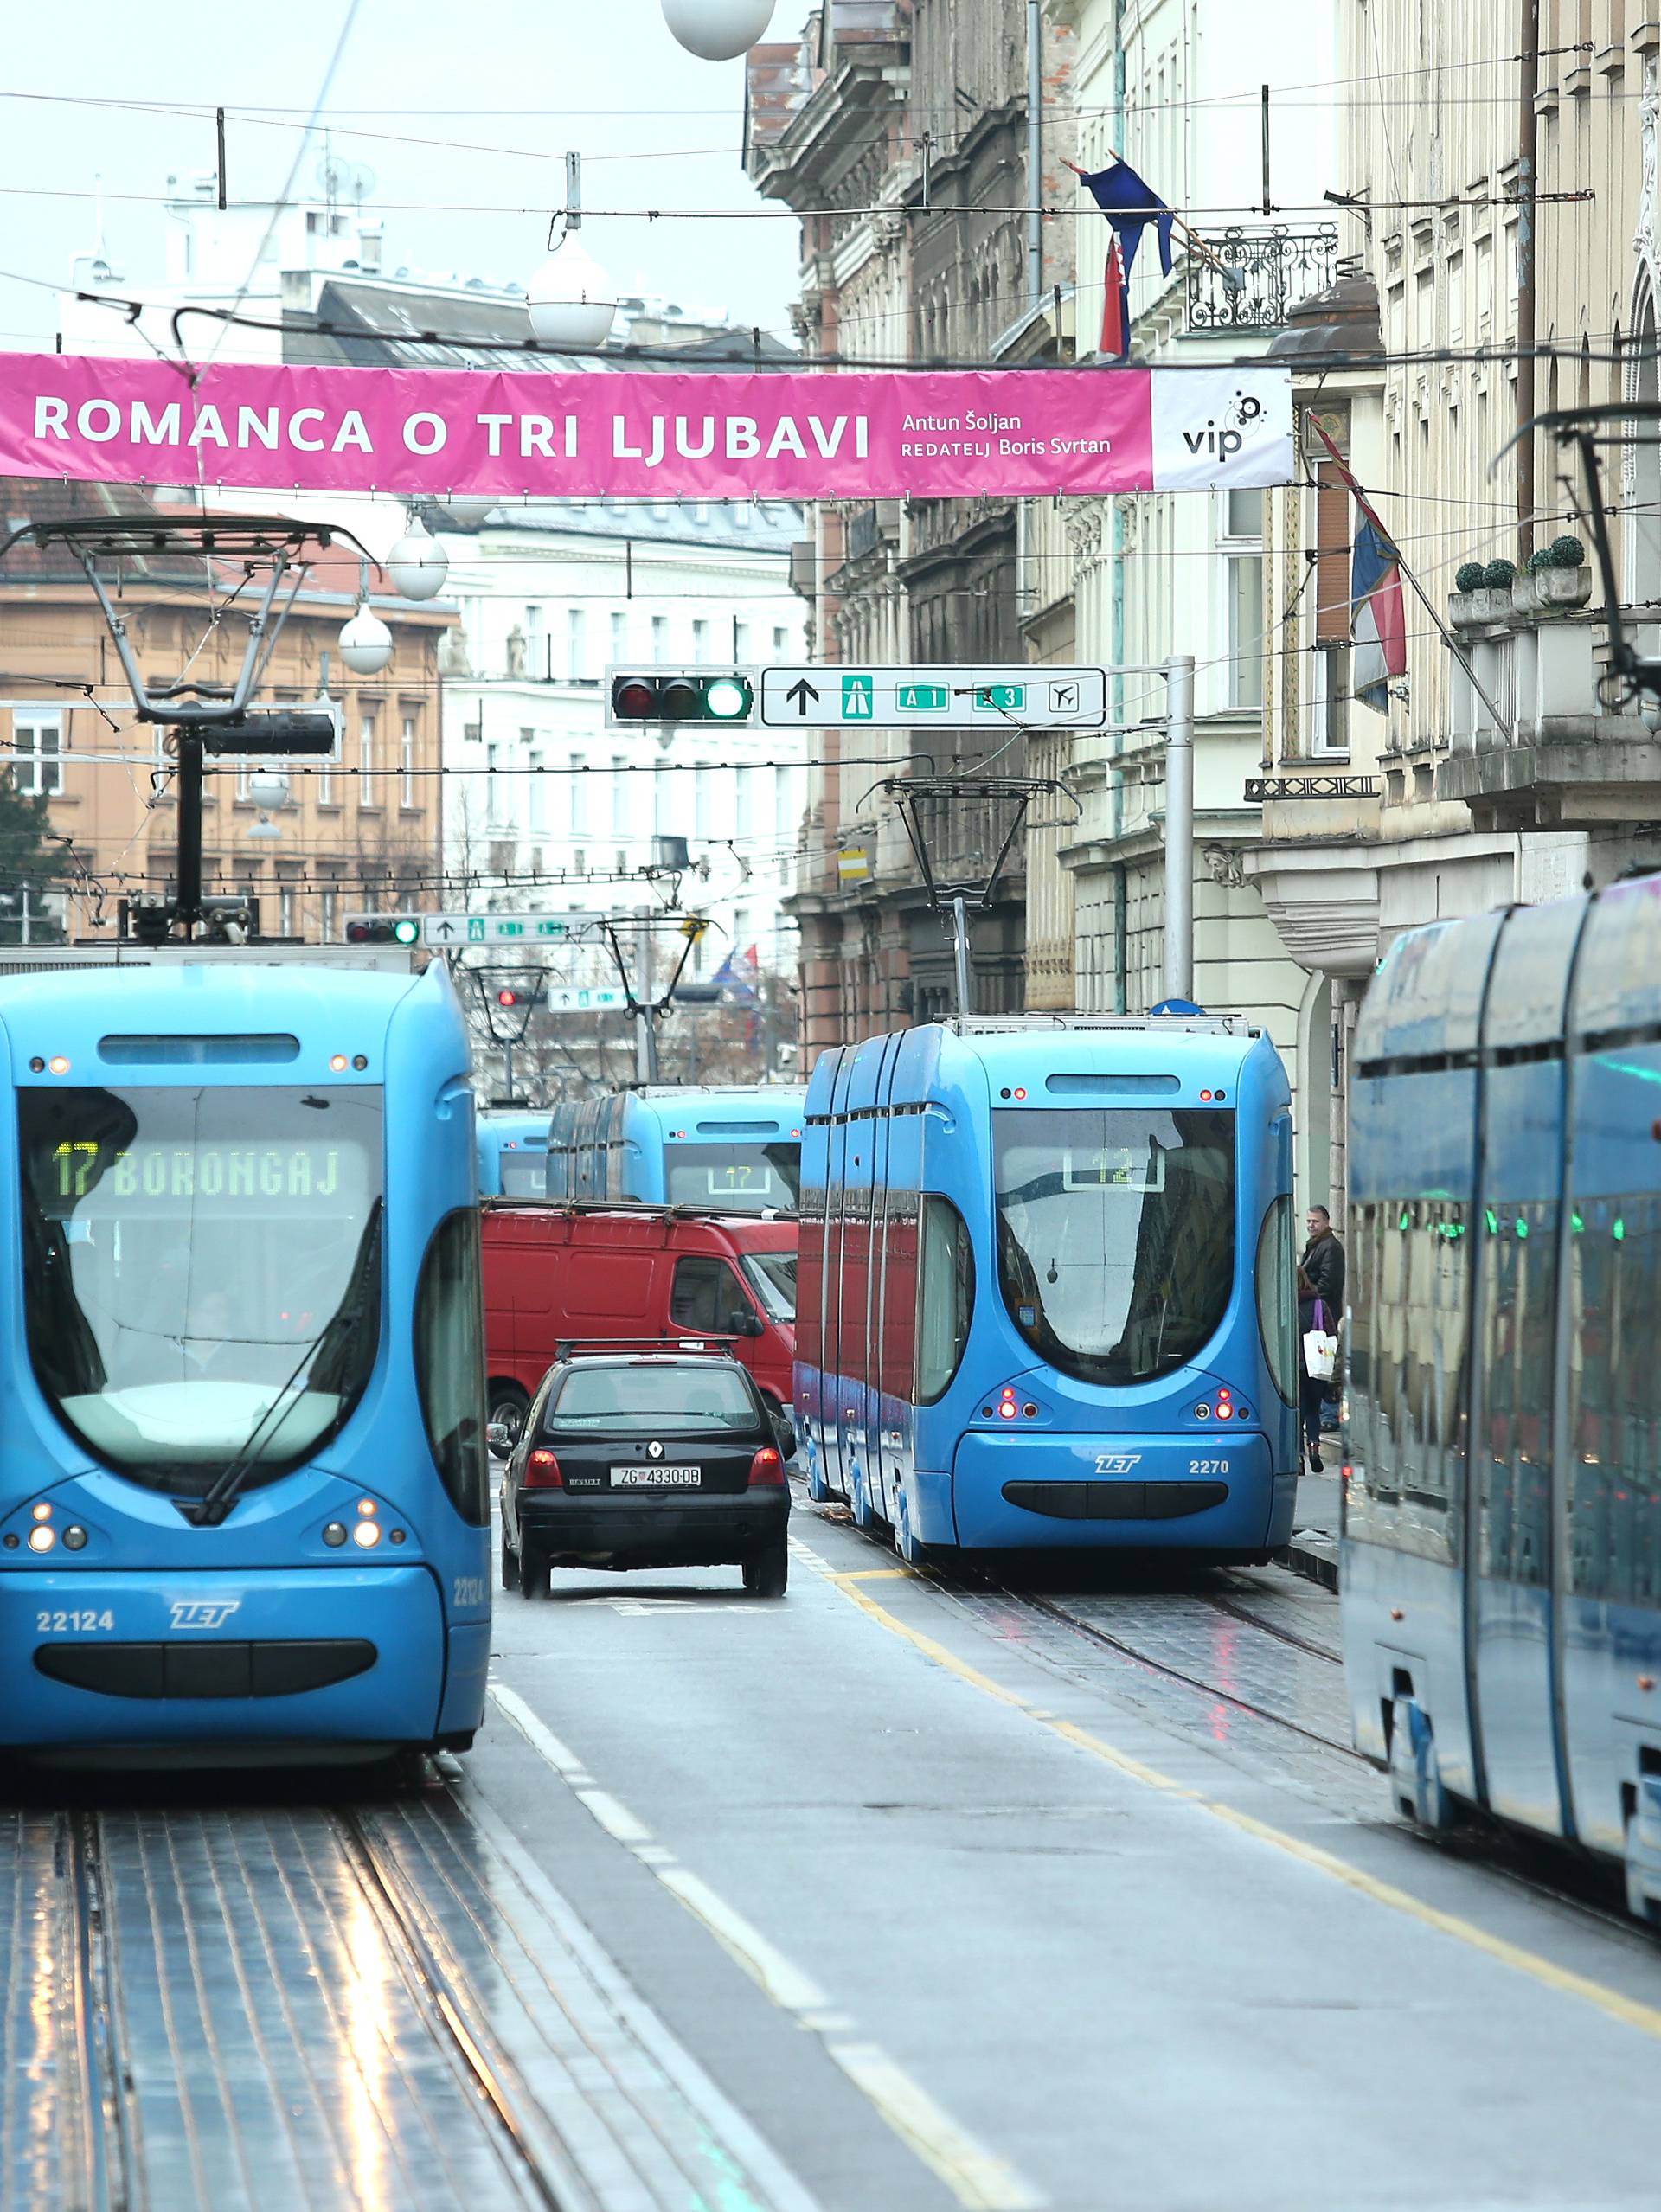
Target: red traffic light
<point>507,998</point>
<point>634,702</point>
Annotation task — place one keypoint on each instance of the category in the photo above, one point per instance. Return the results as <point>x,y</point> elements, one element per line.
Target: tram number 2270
<point>64,1624</point>
<point>1207,1467</point>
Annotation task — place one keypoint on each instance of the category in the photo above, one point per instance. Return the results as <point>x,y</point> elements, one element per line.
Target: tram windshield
<point>1116,1236</point>
<point>201,1271</point>
<point>745,1178</point>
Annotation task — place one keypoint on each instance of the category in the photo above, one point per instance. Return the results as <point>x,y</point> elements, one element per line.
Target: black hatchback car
<point>653,1460</point>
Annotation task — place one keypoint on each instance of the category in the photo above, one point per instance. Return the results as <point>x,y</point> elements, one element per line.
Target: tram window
<point>450,1363</point>
<point>202,1271</point>
<point>1116,1235</point>
<point>1519,1328</point>
<point>745,1177</point>
<point>1614,1459</point>
<point>1409,1362</point>
<point>1277,1306</point>
<point>945,1298</point>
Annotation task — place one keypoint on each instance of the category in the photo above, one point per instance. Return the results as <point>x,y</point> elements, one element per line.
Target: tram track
<point>102,2128</point>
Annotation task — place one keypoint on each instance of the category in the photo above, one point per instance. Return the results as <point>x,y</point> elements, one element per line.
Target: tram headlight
<point>367,1535</point>
<point>75,1539</point>
<point>334,1535</point>
<point>41,1537</point>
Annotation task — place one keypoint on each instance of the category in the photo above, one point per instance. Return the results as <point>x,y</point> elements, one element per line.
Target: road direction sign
<point>1036,697</point>
<point>458,931</point>
<point>559,1000</point>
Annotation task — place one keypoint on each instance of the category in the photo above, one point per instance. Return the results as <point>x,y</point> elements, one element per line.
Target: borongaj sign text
<point>637,433</point>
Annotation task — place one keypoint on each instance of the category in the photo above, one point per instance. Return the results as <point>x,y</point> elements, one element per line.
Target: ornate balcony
<point>1258,276</point>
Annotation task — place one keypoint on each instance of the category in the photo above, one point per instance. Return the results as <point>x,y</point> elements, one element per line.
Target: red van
<point>620,1273</point>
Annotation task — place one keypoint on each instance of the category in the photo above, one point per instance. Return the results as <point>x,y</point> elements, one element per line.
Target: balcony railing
<point>1253,278</point>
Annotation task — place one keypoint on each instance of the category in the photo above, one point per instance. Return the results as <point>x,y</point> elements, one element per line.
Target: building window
<point>536,642</point>
<point>37,751</point>
<point>701,798</point>
<point>1329,706</point>
<point>368,795</point>
<point>578,795</point>
<point>407,761</point>
<point>741,643</point>
<point>780,642</point>
<point>1241,547</point>
<point>659,639</point>
<point>701,642</point>
<point>576,644</point>
<point>328,917</point>
<point>492,780</point>
<point>620,794</point>
<point>619,637</point>
<point>286,910</point>
<point>538,811</point>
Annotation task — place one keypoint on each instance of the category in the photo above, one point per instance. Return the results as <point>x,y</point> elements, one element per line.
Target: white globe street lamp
<point>365,644</point>
<point>573,302</point>
<point>717,30</point>
<point>418,564</point>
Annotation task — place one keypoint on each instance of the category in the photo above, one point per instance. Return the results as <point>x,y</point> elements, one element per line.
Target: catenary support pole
<point>1527,187</point>
<point>188,908</point>
<point>1036,155</point>
<point>1179,827</point>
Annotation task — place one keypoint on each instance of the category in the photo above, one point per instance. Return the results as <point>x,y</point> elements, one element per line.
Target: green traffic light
<point>726,699</point>
<point>408,932</point>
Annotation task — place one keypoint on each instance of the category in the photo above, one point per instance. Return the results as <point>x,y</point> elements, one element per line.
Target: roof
<point>375,326</point>
<point>1342,319</point>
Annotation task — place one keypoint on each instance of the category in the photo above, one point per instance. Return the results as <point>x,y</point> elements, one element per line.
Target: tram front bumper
<point>259,1659</point>
<point>1052,1492</point>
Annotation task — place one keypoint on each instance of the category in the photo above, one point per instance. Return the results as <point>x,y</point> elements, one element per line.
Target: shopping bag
<point>1320,1348</point>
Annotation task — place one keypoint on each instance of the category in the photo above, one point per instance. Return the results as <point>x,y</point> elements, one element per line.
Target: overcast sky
<point>655,126</point>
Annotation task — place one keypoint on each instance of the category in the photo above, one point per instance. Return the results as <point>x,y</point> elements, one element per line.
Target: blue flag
<point>1129,206</point>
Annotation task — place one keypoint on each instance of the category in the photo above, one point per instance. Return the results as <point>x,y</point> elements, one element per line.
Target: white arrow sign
<point>1030,696</point>
<point>458,930</point>
<point>561,1001</point>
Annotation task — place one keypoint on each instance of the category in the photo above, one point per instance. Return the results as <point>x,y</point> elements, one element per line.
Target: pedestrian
<point>1320,1293</point>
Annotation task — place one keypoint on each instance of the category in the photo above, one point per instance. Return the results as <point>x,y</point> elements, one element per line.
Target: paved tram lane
<point>962,1905</point>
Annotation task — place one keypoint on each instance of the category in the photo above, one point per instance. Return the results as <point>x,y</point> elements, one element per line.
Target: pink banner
<point>799,435</point>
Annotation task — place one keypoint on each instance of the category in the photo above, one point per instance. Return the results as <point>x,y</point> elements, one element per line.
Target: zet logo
<point>203,1612</point>
<point>1117,1463</point>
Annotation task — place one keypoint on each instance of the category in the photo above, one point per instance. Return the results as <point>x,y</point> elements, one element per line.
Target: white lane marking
<point>977,2177</point>
<point>729,2127</point>
<point>784,1982</point>
<point>973,2174</point>
<point>614,1818</point>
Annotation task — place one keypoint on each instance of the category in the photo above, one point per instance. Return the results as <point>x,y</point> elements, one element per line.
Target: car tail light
<point>767,1469</point>
<point>542,1471</point>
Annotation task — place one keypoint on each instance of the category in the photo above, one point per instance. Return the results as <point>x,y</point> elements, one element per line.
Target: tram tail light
<point>766,1470</point>
<point>542,1471</point>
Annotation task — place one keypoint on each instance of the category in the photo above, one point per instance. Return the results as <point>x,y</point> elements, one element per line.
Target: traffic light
<point>662,695</point>
<point>383,929</point>
<point>508,998</point>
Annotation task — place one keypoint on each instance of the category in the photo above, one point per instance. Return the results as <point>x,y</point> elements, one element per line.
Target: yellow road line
<point>1629,2011</point>
<point>874,1574</point>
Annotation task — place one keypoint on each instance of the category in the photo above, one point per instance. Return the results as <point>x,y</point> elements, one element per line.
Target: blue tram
<point>737,1148</point>
<point>1046,1290</point>
<point>1502,1544</point>
<point>243,1504</point>
<point>512,1154</point>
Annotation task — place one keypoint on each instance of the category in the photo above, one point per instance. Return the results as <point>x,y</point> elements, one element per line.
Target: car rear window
<point>653,1397</point>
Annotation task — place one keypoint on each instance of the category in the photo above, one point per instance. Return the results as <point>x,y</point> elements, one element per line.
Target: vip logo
<point>1117,1463</point>
<point>203,1612</point>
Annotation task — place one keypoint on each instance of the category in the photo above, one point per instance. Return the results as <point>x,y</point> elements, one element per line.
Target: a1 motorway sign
<point>457,932</point>
<point>1033,696</point>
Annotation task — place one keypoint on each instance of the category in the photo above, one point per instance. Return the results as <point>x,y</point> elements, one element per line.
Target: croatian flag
<point>738,975</point>
<point>1129,206</point>
<point>1378,628</point>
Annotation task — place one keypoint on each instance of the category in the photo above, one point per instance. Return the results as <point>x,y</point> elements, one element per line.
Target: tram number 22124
<point>65,1624</point>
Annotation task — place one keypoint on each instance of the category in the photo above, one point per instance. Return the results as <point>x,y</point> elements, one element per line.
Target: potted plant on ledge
<point>1558,576</point>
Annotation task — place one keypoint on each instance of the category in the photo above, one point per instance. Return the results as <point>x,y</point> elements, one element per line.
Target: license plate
<point>656,1478</point>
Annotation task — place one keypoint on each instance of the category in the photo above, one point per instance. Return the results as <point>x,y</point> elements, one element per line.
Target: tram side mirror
<point>500,1437</point>
<point>745,1322</point>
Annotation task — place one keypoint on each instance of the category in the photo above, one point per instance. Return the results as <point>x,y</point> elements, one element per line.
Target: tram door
<point>838,1323</point>
<point>1510,1552</point>
<point>879,1412</point>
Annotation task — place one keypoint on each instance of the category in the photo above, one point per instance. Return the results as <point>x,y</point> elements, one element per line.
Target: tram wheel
<point>535,1578</point>
<point>766,1573</point>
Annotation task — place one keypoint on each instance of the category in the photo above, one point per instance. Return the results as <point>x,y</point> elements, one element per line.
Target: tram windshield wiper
<point>213,1507</point>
